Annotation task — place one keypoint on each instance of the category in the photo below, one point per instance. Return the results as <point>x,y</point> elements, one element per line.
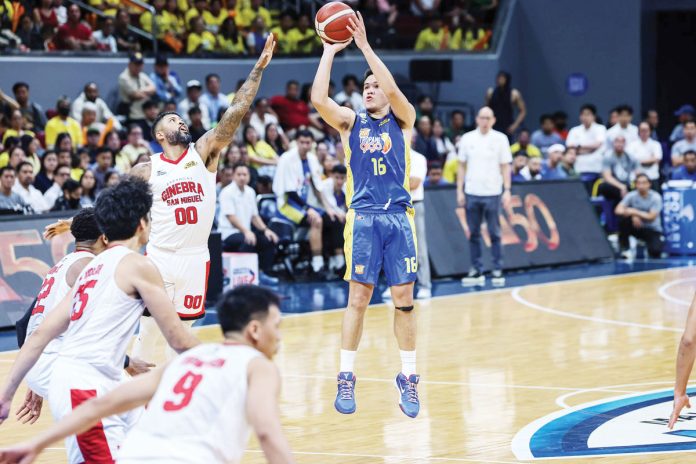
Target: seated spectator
<point>433,37</point>
<point>262,116</point>
<point>686,144</point>
<point>653,119</point>
<point>613,118</point>
<point>545,136</point>
<point>213,98</point>
<point>350,93</point>
<point>551,167</point>
<point>14,157</point>
<point>29,33</point>
<point>617,172</point>
<point>75,34</point>
<point>238,212</point>
<point>523,144</point>
<point>229,39</point>
<point>567,166</point>
<point>89,189</point>
<point>246,15</point>
<point>90,94</point>
<point>102,166</point>
<point>623,126</point>
<point>215,16</point>
<point>278,141</point>
<point>32,148</point>
<point>126,40</point>
<point>16,128</point>
<point>256,37</point>
<point>137,145</point>
<point>333,189</point>
<point>435,175</point>
<point>196,128</point>
<point>470,36</point>
<point>425,143</point>
<point>62,123</point>
<point>166,21</point>
<point>112,178</point>
<point>200,41</point>
<point>44,179</point>
<point>519,172</point>
<point>308,40</point>
<point>167,84</point>
<point>285,33</point>
<point>425,107</point>
<point>134,88</point>
<point>64,143</point>
<point>70,199</point>
<point>588,139</point>
<point>104,37</point>
<point>443,144</point>
<point>297,188</point>
<point>150,112</point>
<point>291,110</point>
<point>11,202</point>
<point>198,7</point>
<point>647,152</point>
<point>91,130</point>
<point>457,125</point>
<point>193,98</point>
<point>261,154</point>
<point>534,168</point>
<point>34,117</point>
<point>687,171</point>
<point>560,123</point>
<point>24,188</point>
<point>639,213</point>
<point>685,113</point>
<point>45,14</point>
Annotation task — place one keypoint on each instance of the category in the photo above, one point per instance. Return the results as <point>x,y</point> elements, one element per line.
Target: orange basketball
<point>331,22</point>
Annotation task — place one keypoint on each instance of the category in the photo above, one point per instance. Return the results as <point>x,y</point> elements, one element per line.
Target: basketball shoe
<point>345,396</point>
<point>408,394</point>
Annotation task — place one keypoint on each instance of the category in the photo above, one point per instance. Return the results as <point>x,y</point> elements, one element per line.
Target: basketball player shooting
<point>380,232</point>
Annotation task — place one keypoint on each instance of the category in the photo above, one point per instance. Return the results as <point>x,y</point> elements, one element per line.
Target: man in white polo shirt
<point>238,211</point>
<point>588,139</point>
<point>648,153</point>
<point>483,180</point>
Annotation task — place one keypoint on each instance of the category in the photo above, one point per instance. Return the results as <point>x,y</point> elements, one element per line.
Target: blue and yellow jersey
<point>379,165</point>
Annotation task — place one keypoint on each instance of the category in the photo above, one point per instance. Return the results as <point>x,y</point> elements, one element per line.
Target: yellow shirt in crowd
<point>206,39</point>
<point>287,40</point>
<point>213,23</point>
<point>166,22</point>
<point>429,40</point>
<point>56,126</point>
<point>14,133</point>
<point>467,41</point>
<point>261,150</point>
<point>246,16</point>
<point>532,150</point>
<point>230,45</point>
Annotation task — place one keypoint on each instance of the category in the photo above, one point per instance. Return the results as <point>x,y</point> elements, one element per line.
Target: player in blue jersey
<point>380,232</point>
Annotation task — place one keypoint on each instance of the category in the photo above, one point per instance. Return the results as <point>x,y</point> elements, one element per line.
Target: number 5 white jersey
<point>183,208</point>
<point>198,413</point>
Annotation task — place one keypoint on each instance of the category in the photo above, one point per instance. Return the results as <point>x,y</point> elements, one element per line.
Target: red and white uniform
<point>182,217</point>
<point>53,290</point>
<point>198,413</point>
<point>90,361</point>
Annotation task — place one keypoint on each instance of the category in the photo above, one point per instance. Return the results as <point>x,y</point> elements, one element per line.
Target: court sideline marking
<point>662,291</point>
<point>561,400</point>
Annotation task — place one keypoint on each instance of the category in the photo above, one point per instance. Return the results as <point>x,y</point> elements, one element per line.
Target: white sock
<point>317,263</point>
<point>347,360</point>
<point>408,362</point>
<point>332,263</point>
<point>340,261</point>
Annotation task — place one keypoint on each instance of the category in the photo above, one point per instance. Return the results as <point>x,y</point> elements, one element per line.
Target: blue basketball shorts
<point>380,240</point>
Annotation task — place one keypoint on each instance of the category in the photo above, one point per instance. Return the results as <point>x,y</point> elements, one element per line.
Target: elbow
<point>687,342</point>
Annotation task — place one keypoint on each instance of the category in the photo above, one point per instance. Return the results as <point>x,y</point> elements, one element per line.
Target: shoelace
<point>345,389</point>
<point>411,392</point>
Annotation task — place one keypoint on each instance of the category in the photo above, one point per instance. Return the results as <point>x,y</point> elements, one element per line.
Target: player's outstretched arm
<point>55,324</point>
<point>213,141</point>
<point>262,410</point>
<point>685,362</point>
<point>403,110</point>
<point>338,117</point>
<point>127,396</point>
<point>147,282</point>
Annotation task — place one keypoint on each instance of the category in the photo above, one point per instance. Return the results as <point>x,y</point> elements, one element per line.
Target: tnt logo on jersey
<point>369,144</point>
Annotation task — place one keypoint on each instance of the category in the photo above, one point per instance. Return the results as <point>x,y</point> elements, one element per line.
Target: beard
<point>178,138</point>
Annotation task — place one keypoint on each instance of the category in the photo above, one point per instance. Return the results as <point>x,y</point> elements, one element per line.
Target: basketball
<point>331,22</point>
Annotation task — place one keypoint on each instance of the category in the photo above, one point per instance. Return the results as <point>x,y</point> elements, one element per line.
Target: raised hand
<point>267,52</point>
<point>357,28</point>
<point>336,47</point>
<point>57,228</point>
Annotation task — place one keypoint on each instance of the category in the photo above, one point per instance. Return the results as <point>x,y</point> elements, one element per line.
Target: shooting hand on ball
<point>357,28</point>
<point>335,47</point>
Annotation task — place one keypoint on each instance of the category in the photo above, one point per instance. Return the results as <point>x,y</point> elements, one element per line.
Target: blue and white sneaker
<point>345,397</point>
<point>408,394</point>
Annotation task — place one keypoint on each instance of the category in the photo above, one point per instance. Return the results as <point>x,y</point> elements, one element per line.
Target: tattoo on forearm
<point>239,107</point>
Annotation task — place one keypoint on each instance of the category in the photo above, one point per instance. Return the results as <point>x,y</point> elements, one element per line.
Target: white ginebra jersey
<point>198,413</point>
<point>103,318</point>
<point>53,290</point>
<point>183,206</point>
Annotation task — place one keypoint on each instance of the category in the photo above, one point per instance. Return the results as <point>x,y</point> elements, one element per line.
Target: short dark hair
<point>243,304</point>
<point>435,165</point>
<point>642,174</point>
<point>84,226</point>
<point>104,149</point>
<point>589,107</point>
<point>368,72</point>
<point>19,85</point>
<point>349,77</point>
<point>120,208</point>
<point>689,152</point>
<point>303,133</point>
<point>292,82</point>
<point>210,76</point>
<point>459,112</point>
<point>7,168</point>
<point>70,185</point>
<point>624,109</point>
<point>339,169</point>
<point>193,110</point>
<point>423,98</point>
<point>264,180</point>
<point>239,165</point>
<point>158,119</point>
<point>689,122</point>
<point>545,117</point>
<point>150,104</point>
<point>61,166</point>
<point>24,163</point>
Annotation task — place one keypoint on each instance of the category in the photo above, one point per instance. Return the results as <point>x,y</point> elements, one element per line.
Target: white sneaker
<point>386,295</point>
<point>424,294</point>
<point>497,278</point>
<point>474,278</point>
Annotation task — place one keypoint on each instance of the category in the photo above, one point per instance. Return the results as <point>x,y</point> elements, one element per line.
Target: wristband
<point>126,363</point>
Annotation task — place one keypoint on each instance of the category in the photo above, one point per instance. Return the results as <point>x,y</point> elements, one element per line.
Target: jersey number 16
<point>379,167</point>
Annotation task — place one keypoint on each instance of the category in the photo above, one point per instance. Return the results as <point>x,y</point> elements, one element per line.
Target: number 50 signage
<point>545,223</point>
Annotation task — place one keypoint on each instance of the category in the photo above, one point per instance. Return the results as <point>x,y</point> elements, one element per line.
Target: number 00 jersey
<point>198,413</point>
<point>378,163</point>
<point>183,206</point>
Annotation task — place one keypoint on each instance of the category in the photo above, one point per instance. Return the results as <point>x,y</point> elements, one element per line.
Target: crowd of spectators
<point>236,27</point>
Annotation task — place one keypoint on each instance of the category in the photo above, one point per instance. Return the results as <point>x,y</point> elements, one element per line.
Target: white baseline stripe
<point>662,291</point>
<point>394,457</point>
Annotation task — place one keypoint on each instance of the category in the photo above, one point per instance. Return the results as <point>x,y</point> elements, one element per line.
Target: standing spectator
<point>435,178</point>
<point>134,88</point>
<point>137,145</point>
<point>685,144</point>
<point>24,188</point>
<point>425,143</point>
<point>167,84</point>
<point>89,189</point>
<point>104,37</point>
<point>613,118</point>
<point>588,139</point>
<point>126,40</point>
<point>102,167</point>
<point>44,179</point>
<point>502,100</point>
<point>75,34</point>
<point>551,167</point>
<point>623,126</point>
<point>685,113</point>
<point>150,112</point>
<point>213,99</point>
<point>640,217</point>
<point>523,144</point>
<point>200,41</point>
<point>62,123</point>
<point>419,168</point>
<point>560,122</point>
<point>653,118</point>
<point>334,190</point>
<point>567,166</point>
<point>351,93</point>
<point>70,199</point>
<point>238,212</point>
<point>457,125</point>
<point>10,202</point>
<point>647,152</point>
<point>545,136</point>
<point>617,172</point>
<point>32,112</point>
<point>193,98</point>
<point>687,171</point>
<point>443,144</point>
<point>262,116</point>
<point>196,128</point>
<point>261,154</point>
<point>484,159</point>
<point>291,110</point>
<point>90,94</point>
<point>62,174</point>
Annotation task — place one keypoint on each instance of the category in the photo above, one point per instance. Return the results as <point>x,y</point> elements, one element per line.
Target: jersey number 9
<point>379,167</point>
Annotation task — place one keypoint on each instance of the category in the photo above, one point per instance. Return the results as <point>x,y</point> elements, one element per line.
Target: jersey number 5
<point>379,167</point>
<point>185,387</point>
<point>80,299</point>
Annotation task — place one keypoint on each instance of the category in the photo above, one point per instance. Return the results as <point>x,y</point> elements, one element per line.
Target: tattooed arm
<point>215,140</point>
